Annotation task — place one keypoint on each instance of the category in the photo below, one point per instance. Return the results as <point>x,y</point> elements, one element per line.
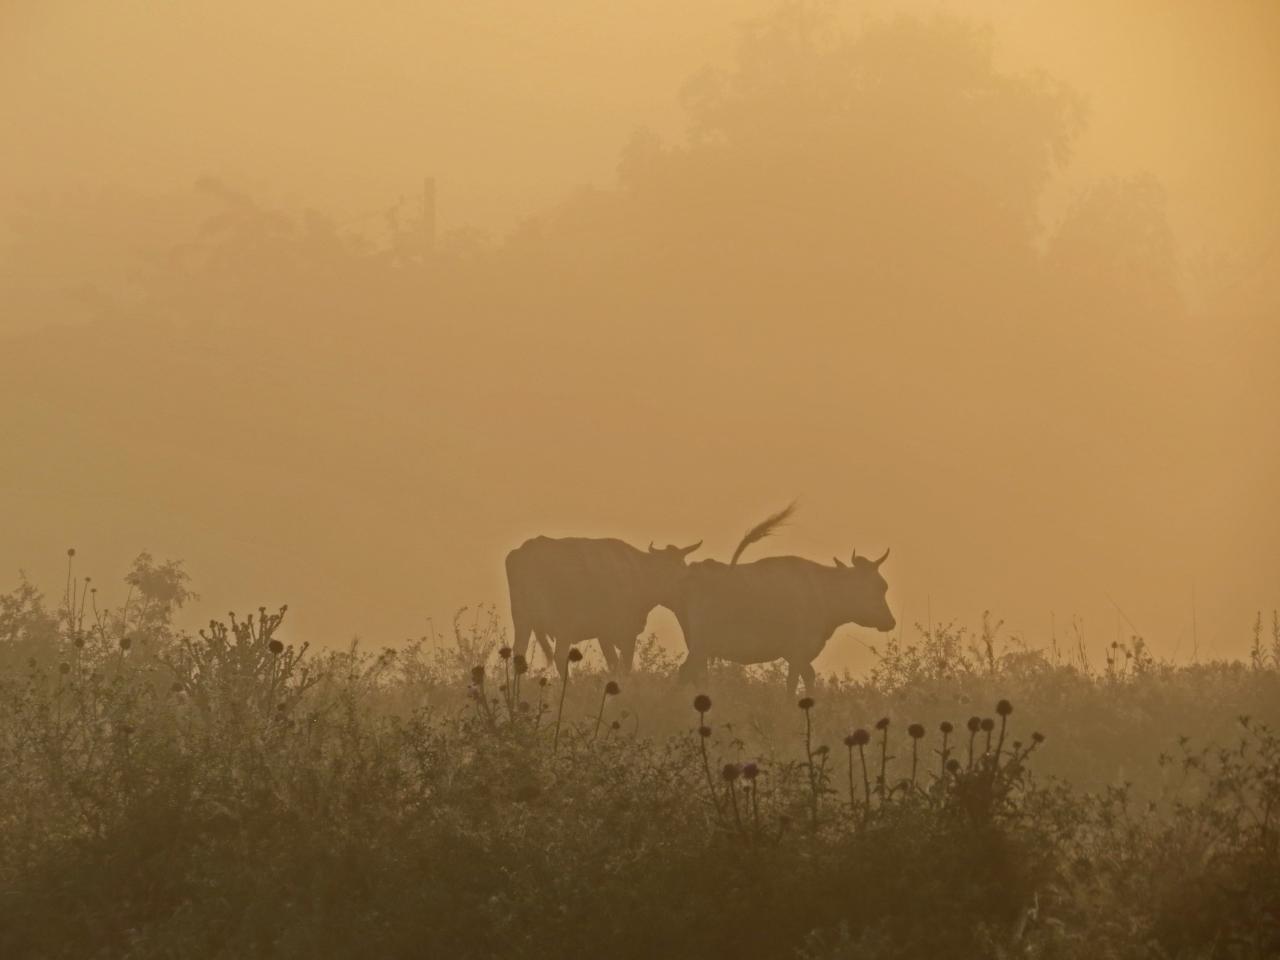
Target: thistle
<point>611,689</point>
<point>702,703</point>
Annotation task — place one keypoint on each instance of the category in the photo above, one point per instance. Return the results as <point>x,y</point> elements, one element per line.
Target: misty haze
<point>739,477</point>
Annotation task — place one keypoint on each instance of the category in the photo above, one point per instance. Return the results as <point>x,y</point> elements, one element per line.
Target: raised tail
<point>763,529</point>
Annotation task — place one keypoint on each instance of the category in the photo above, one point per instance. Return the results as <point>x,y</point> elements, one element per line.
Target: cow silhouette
<point>777,608</point>
<point>573,589</point>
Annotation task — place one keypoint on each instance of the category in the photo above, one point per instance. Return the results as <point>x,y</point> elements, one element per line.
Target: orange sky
<point>346,106</point>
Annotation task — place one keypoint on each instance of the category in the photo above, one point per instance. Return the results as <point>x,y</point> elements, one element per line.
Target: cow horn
<point>651,550</point>
<point>685,551</point>
<point>839,562</point>
<point>884,556</point>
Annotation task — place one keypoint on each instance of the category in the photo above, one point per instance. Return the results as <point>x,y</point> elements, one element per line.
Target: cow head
<point>665,570</point>
<point>864,590</point>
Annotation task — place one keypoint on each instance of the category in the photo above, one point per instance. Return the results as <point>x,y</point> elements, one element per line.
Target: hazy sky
<point>346,106</point>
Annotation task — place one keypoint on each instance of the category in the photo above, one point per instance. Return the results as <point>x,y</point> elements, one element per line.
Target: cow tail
<point>763,529</point>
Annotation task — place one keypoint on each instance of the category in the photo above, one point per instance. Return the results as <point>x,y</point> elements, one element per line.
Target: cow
<point>575,589</point>
<point>777,608</point>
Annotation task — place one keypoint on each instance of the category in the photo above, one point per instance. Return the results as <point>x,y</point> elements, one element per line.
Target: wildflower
<point>504,653</point>
<point>882,723</point>
<point>702,703</point>
<point>575,655</point>
<point>915,731</point>
<point>974,724</point>
<point>704,731</point>
<point>806,703</point>
<point>750,771</point>
<point>71,551</point>
<point>1004,708</point>
<point>849,741</point>
<point>988,724</point>
<point>1037,738</point>
<point>612,689</point>
<point>946,726</point>
<point>126,643</point>
<point>520,664</point>
<point>731,772</point>
<point>276,647</point>
<point>859,738</point>
<point>953,765</point>
<point>477,675</point>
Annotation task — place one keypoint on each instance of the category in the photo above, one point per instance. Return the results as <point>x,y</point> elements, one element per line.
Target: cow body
<point>573,589</point>
<point>778,608</point>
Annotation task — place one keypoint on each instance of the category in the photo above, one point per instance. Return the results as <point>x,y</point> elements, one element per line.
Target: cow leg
<point>545,645</point>
<point>809,676</point>
<point>520,630</point>
<point>793,678</point>
<point>627,654</point>
<point>610,654</point>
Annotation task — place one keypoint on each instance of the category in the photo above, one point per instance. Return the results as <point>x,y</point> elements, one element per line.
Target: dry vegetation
<point>233,794</point>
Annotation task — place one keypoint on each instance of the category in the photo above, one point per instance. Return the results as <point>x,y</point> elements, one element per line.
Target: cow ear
<point>839,563</point>
<point>853,557</point>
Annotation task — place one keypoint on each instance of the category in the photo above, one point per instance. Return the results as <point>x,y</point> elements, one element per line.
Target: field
<point>233,795</point>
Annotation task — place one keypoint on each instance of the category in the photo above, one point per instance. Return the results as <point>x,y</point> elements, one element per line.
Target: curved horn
<point>839,562</point>
<point>884,556</point>
<point>651,550</point>
<point>685,551</point>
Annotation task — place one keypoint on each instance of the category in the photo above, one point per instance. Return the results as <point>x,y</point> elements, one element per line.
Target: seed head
<point>575,655</point>
<point>882,723</point>
<point>974,724</point>
<point>860,737</point>
<point>616,725</point>
<point>915,731</point>
<point>1004,708</point>
<point>806,703</point>
<point>702,703</point>
<point>611,689</point>
<point>946,726</point>
<point>477,675</point>
<point>542,681</point>
<point>520,664</point>
<point>1037,738</point>
<point>704,732</point>
<point>953,765</point>
<point>988,724</point>
<point>750,771</point>
<point>71,551</point>
<point>504,653</point>
<point>821,750</point>
<point>731,772</point>
<point>276,647</point>
<point>126,642</point>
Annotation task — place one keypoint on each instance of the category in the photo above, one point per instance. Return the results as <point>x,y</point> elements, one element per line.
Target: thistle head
<point>504,653</point>
<point>611,689</point>
<point>750,771</point>
<point>702,703</point>
<point>882,723</point>
<point>575,655</point>
<point>1037,737</point>
<point>276,647</point>
<point>806,703</point>
<point>1004,708</point>
<point>731,772</point>
<point>974,724</point>
<point>704,731</point>
<point>988,724</point>
<point>915,731</point>
<point>126,642</point>
<point>946,726</point>
<point>859,738</point>
<point>953,765</point>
